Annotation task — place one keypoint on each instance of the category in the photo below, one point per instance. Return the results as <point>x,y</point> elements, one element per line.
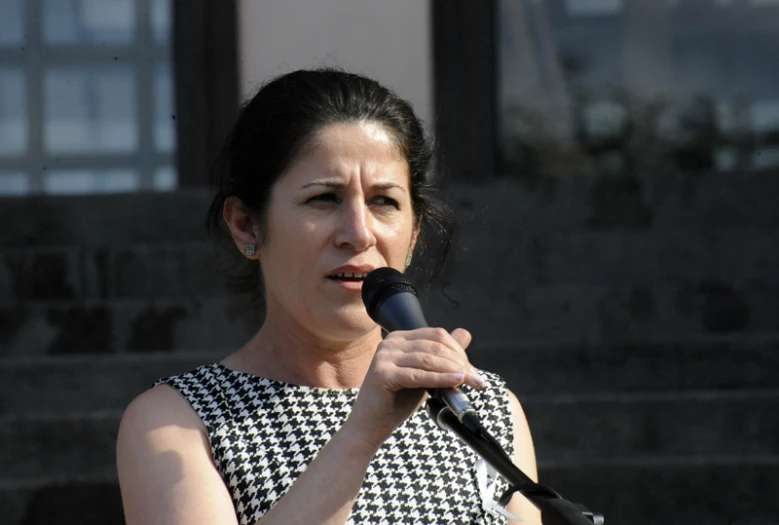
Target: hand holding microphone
<point>411,359</point>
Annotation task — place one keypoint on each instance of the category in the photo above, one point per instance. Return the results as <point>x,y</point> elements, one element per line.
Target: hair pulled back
<point>277,124</point>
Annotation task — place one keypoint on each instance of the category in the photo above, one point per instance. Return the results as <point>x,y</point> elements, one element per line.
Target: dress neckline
<point>285,385</point>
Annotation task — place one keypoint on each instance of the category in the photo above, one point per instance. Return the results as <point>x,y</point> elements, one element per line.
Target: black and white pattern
<point>263,433</point>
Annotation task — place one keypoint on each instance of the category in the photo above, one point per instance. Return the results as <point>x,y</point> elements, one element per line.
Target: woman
<point>318,418</point>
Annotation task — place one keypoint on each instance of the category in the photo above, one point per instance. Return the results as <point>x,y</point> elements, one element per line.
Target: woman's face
<point>342,209</point>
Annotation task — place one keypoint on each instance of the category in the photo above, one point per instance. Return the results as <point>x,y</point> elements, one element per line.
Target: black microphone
<point>391,300</point>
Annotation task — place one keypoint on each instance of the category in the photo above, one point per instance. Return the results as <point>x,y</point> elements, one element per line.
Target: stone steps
<point>692,424</point>
<point>139,270</point>
<point>613,258</point>
<point>640,492</point>
<point>107,381</point>
<point>104,220</point>
<point>669,492</point>
<point>491,308</point>
<point>700,203</point>
<point>580,313</point>
<point>40,328</point>
<point>59,385</point>
<point>51,502</point>
<point>566,430</point>
<point>675,492</point>
<point>58,447</point>
<point>728,363</point>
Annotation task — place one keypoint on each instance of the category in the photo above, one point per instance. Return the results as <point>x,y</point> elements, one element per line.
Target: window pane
<point>765,116</point>
<point>165,179</point>
<point>164,123</point>
<point>655,86</point>
<point>11,22</point>
<point>593,7</point>
<point>160,20</point>
<point>766,158</point>
<point>14,184</point>
<point>73,182</point>
<point>13,112</point>
<point>88,21</point>
<point>90,109</point>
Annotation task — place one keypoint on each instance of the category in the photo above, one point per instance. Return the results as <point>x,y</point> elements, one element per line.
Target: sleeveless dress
<point>263,433</point>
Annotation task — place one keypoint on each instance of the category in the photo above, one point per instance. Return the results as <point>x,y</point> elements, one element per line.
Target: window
<point>638,85</point>
<point>86,96</point>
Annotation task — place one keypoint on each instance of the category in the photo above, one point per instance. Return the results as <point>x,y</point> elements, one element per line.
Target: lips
<point>350,273</point>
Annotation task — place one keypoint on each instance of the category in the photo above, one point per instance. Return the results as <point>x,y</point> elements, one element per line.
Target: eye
<point>383,200</point>
<point>323,198</point>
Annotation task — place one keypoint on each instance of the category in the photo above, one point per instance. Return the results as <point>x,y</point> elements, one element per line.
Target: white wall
<point>389,40</point>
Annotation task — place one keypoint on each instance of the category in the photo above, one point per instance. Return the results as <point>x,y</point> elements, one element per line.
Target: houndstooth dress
<point>263,433</point>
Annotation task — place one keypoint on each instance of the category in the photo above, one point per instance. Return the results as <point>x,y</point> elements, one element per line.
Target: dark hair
<point>280,120</point>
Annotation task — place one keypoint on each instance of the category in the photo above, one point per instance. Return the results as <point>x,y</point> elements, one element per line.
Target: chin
<point>349,325</point>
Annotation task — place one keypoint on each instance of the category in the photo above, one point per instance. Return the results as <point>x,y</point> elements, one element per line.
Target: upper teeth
<point>352,275</point>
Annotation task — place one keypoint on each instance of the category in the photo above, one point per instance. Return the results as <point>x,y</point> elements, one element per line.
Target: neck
<point>286,351</point>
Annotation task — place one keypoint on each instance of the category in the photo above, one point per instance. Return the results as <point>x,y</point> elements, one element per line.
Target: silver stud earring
<point>249,250</point>
<point>408,260</point>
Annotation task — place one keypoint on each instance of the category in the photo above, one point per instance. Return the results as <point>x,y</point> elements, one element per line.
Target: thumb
<point>462,336</point>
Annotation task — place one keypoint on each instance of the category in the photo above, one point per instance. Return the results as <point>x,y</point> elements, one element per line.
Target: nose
<point>355,228</point>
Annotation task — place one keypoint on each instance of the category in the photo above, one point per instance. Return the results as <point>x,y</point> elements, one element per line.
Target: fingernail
<point>458,376</point>
<point>478,379</point>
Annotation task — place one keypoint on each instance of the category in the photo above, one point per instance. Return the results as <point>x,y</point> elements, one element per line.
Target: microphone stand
<point>555,510</point>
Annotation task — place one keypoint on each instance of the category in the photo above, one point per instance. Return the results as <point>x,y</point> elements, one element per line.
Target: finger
<point>441,364</point>
<point>417,378</point>
<point>433,362</point>
<point>440,335</point>
<point>462,336</point>
<point>438,341</point>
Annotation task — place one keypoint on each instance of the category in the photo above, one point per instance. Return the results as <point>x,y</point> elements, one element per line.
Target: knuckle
<point>416,376</point>
<point>440,334</point>
<point>428,361</point>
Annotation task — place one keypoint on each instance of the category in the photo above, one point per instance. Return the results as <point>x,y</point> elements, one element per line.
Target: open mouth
<point>348,277</point>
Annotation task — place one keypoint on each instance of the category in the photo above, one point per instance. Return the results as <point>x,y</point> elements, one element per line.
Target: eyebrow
<point>338,185</point>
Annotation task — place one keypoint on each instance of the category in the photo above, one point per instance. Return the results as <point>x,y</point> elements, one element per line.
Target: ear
<point>242,226</point>
<point>415,236</point>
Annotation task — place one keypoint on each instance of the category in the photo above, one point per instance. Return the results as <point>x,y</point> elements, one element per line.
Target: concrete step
<point>691,424</point>
<point>570,313</point>
<point>178,268</point>
<point>493,307</point>
<point>58,447</point>
<point>614,258</point>
<point>119,325</point>
<point>652,365</point>
<point>57,384</point>
<point>100,220</point>
<point>674,492</point>
<point>521,256</point>
<point>696,202</point>
<point>642,492</point>
<point>687,426</point>
<point>66,502</point>
<point>699,202</point>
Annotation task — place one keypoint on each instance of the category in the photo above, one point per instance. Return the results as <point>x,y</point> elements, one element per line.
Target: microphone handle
<point>402,311</point>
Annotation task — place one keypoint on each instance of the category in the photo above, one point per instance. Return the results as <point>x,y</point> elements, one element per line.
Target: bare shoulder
<point>166,473</point>
<point>159,408</point>
<point>525,459</point>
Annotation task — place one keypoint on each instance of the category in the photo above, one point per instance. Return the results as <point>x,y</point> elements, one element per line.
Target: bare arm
<point>525,460</point>
<point>166,473</point>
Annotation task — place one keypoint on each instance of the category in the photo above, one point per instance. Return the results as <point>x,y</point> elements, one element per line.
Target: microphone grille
<point>381,284</point>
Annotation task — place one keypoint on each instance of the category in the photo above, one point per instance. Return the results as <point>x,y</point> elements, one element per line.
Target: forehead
<point>355,148</point>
